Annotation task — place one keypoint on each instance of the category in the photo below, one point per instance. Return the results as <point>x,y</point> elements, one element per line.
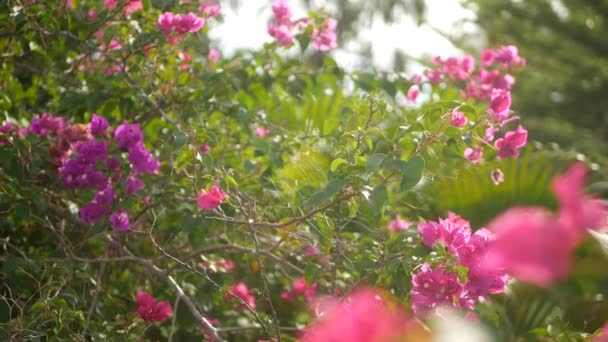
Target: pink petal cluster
<point>512,141</point>
<point>151,310</point>
<point>130,6</point>
<point>490,83</point>
<point>176,26</point>
<point>262,132</point>
<point>283,28</point>
<point>364,316</point>
<point>438,287</point>
<point>210,8</point>
<point>213,56</point>
<point>458,119</point>
<point>398,224</point>
<point>209,200</point>
<point>325,38</point>
<point>120,220</point>
<point>537,246</point>
<point>435,288</point>
<point>412,93</point>
<point>299,288</point>
<point>241,291</point>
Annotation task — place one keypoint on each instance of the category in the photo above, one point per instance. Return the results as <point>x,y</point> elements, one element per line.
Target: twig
<point>275,317</point>
<point>153,269</point>
<point>205,276</point>
<point>102,271</point>
<point>372,111</point>
<point>175,306</point>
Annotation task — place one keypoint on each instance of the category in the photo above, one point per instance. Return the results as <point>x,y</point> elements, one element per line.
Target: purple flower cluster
<point>47,124</point>
<point>90,166</point>
<point>436,287</point>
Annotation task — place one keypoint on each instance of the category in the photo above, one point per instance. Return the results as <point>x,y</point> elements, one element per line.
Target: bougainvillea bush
<point>154,189</point>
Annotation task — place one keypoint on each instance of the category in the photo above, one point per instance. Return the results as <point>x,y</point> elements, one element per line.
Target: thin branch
<point>102,271</point>
<point>175,306</point>
<point>153,269</point>
<point>275,317</point>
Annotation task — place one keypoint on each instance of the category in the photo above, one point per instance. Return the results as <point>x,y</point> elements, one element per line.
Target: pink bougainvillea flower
<point>398,224</point>
<point>210,8</point>
<point>213,56</point>
<point>324,39</point>
<point>209,200</point>
<point>281,33</point>
<point>364,316</point>
<point>281,10</point>
<point>300,288</point>
<point>204,149</point>
<point>241,291</point>
<point>529,247</point>
<point>458,119</point>
<point>310,250</point>
<point>507,55</point>
<point>512,141</point>
<point>577,211</point>
<point>188,23</point>
<point>417,79</point>
<point>536,246</point>
<point>262,132</point>
<point>489,134</point>
<point>603,335</point>
<point>452,231</point>
<point>500,104</point>
<point>151,310</point>
<point>434,288</point>
<point>165,22</point>
<point>130,6</point>
<point>120,220</point>
<point>487,56</point>
<point>412,93</point>
<point>473,154</point>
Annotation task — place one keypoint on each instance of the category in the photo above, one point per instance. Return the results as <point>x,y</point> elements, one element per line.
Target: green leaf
<point>412,173</point>
<point>336,163</point>
<point>374,161</point>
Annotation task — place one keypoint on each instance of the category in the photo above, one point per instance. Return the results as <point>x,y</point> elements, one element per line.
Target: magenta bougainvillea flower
<point>209,200</point>
<point>262,132</point>
<point>398,224</point>
<point>453,232</point>
<point>176,26</point>
<point>127,135</point>
<point>512,141</point>
<point>473,154</point>
<point>500,105</point>
<point>364,316</point>
<point>120,220</point>
<point>98,125</point>
<point>412,93</point>
<point>151,310</point>
<point>537,246</point>
<point>458,119</point>
<point>325,39</point>
<point>134,184</point>
<point>300,288</point>
<point>241,291</point>
<point>438,287</point>
<point>213,56</point>
<point>210,8</point>
<point>434,288</point>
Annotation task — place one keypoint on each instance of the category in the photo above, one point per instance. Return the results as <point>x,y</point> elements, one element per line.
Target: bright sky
<point>247,29</point>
